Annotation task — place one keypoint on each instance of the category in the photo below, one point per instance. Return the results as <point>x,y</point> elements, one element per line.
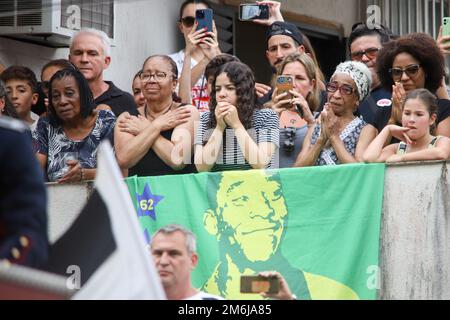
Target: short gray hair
<point>106,43</point>
<point>191,245</point>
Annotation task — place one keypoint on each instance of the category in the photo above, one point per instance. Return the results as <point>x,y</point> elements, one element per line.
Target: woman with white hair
<point>338,136</point>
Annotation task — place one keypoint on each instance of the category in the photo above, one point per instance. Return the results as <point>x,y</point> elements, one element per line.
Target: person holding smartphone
<point>297,105</point>
<point>201,47</point>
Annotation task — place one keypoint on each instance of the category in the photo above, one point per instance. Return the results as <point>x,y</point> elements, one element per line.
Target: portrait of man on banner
<point>249,217</point>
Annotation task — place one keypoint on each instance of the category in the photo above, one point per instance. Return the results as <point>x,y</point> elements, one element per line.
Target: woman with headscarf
<point>339,136</point>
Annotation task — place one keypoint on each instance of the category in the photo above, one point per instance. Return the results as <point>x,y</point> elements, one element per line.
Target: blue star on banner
<point>146,203</point>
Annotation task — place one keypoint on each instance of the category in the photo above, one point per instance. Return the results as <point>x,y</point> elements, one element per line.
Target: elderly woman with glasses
<point>412,62</point>
<point>339,136</point>
<point>160,140</point>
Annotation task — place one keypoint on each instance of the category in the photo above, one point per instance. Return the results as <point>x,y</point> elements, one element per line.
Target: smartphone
<point>257,284</point>
<point>204,17</point>
<point>446,26</point>
<point>285,84</point>
<point>251,11</point>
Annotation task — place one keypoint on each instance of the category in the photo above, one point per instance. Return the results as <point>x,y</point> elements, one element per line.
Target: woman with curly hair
<point>236,134</point>
<point>408,63</point>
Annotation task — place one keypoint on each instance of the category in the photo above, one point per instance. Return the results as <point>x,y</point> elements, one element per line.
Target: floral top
<point>53,142</point>
<point>349,136</point>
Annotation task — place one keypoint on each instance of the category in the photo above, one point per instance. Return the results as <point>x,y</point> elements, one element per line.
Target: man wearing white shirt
<point>174,250</point>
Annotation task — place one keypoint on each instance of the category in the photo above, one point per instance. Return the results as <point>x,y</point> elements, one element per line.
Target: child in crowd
<point>419,113</point>
<point>21,88</point>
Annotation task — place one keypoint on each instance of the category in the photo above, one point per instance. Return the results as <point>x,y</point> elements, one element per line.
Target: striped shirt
<point>265,128</point>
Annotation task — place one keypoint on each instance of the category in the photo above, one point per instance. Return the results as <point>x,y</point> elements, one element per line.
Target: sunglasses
<point>188,21</point>
<point>345,89</point>
<point>370,53</point>
<point>411,71</point>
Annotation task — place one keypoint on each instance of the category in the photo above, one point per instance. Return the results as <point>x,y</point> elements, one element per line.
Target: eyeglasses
<point>370,53</point>
<point>158,76</point>
<point>345,89</point>
<point>188,21</point>
<point>289,143</point>
<point>411,71</point>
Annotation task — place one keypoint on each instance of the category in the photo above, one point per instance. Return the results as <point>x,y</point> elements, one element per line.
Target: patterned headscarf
<point>360,74</point>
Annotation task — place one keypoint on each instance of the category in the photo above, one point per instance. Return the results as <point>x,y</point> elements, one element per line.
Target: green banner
<point>318,226</point>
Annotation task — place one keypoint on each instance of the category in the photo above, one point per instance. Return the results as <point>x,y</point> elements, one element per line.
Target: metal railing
<point>407,16</point>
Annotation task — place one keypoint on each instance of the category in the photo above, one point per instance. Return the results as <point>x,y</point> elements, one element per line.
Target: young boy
<point>21,87</point>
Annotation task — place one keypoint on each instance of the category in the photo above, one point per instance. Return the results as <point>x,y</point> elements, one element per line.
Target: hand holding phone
<point>284,85</point>
<point>258,284</point>
<point>252,11</point>
<point>443,40</point>
<point>204,17</point>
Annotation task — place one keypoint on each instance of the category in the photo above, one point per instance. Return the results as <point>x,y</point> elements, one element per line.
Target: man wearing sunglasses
<point>364,43</point>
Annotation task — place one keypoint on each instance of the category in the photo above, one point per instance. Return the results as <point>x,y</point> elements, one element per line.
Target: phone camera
<point>289,142</point>
<point>200,14</point>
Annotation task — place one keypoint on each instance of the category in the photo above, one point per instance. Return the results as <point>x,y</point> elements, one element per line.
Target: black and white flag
<point>104,250</point>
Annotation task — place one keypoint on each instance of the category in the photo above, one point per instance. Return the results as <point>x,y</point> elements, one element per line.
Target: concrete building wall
<point>142,28</point>
<point>344,12</point>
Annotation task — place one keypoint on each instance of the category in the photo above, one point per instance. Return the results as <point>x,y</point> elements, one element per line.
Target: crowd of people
<point>202,110</point>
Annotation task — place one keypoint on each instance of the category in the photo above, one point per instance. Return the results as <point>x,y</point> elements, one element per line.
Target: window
<point>77,14</point>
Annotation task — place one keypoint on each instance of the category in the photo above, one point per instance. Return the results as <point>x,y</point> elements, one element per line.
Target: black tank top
<point>152,165</point>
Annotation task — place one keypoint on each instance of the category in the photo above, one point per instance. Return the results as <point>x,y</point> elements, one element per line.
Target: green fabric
<point>318,226</point>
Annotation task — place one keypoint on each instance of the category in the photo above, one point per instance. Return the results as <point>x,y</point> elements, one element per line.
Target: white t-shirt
<point>200,97</point>
<point>201,295</point>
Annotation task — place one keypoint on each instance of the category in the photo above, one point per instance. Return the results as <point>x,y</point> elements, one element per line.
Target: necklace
<point>148,115</point>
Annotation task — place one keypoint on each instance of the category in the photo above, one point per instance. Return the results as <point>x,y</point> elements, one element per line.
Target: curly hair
<point>217,62</point>
<point>423,48</point>
<point>87,104</point>
<point>243,79</point>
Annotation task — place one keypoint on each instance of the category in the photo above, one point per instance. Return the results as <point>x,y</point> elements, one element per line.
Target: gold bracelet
<point>82,174</point>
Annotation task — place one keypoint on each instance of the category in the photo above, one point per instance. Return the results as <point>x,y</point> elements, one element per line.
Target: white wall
<point>142,28</point>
